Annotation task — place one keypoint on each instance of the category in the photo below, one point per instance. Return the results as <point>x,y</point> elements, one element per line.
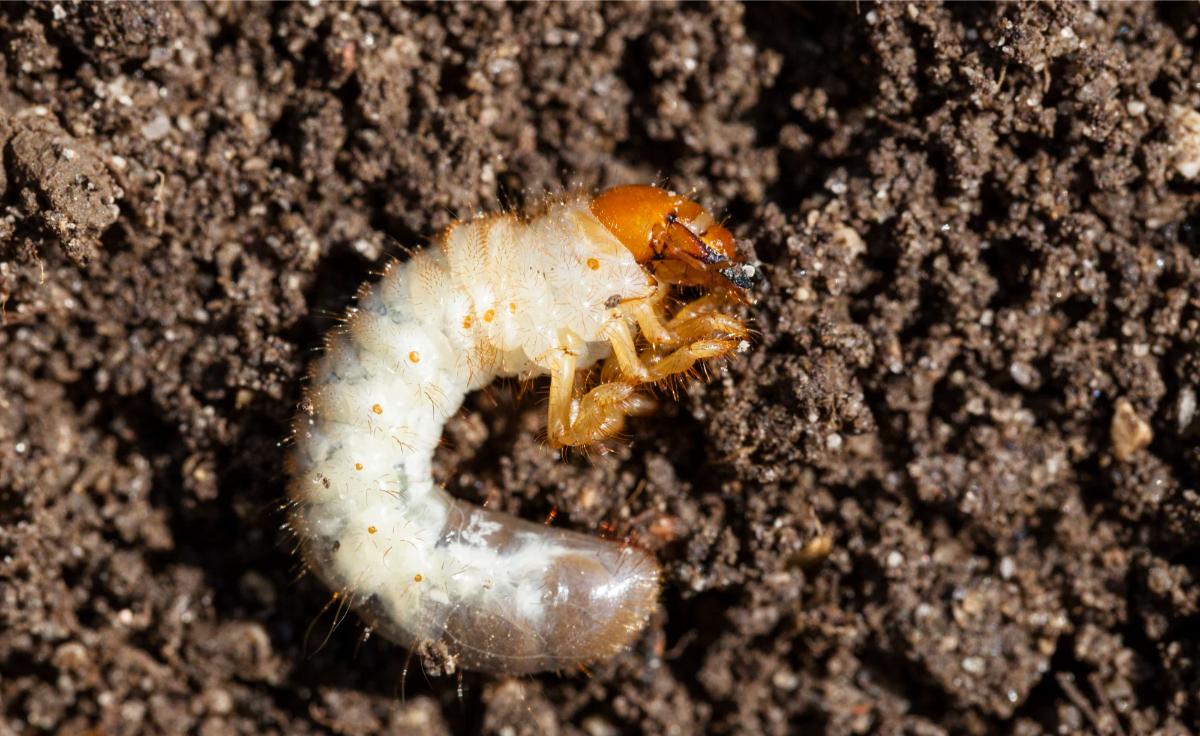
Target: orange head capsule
<point>683,240</point>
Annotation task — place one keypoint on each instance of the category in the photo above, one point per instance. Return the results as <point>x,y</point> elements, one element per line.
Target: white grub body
<point>496,296</point>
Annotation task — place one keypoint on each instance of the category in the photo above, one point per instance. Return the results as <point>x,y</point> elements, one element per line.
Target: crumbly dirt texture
<point>951,488</point>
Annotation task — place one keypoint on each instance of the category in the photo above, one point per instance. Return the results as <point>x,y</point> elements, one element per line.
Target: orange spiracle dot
<point>489,315</point>
<point>414,356</point>
<point>358,466</point>
<point>377,409</point>
<point>417,577</point>
<point>467,322</point>
<point>512,307</point>
<point>593,264</point>
<point>370,530</point>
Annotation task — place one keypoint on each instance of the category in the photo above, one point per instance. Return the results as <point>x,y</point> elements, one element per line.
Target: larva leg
<point>651,325</point>
<point>700,318</point>
<point>625,352</point>
<point>685,357</point>
<point>562,385</point>
<point>599,414</point>
<point>706,304</point>
<point>695,320</point>
<point>708,324</point>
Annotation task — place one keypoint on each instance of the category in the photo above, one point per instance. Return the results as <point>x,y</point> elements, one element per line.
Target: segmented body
<point>497,296</point>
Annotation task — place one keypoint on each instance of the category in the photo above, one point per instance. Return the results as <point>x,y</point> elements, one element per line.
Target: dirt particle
<point>597,726</point>
<point>218,701</point>
<point>256,587</point>
<point>74,195</point>
<point>1130,433</point>
<point>972,603</point>
<point>1186,408</point>
<point>1185,136</point>
<point>158,128</point>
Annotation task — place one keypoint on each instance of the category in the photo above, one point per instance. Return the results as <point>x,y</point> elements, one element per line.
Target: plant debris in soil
<point>949,490</point>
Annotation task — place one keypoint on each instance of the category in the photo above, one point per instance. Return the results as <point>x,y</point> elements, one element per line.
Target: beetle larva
<point>502,295</point>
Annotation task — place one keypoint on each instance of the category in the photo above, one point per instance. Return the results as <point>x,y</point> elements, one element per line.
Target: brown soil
<point>950,490</point>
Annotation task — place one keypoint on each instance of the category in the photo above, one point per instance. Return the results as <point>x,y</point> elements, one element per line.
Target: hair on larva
<point>550,293</point>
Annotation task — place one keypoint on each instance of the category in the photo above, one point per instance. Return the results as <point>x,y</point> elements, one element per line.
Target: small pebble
<point>972,603</point>
<point>158,128</point>
<point>1186,407</point>
<point>1185,135</point>
<point>1130,433</point>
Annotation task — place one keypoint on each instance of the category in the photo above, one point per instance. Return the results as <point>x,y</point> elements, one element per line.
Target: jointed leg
<point>706,304</point>
<point>599,414</point>
<point>562,386</point>
<point>625,352</point>
<point>708,324</point>
<point>636,370</point>
<point>696,320</point>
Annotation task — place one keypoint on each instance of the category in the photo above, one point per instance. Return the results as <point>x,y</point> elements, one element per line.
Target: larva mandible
<point>502,295</point>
